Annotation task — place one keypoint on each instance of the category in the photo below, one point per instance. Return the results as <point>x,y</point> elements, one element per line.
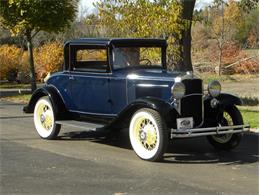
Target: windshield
<point>137,57</point>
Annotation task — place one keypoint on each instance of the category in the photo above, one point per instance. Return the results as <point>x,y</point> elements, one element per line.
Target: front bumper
<point>197,132</point>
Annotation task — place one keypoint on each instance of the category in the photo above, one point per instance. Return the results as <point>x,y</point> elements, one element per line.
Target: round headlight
<point>178,90</point>
<point>214,88</point>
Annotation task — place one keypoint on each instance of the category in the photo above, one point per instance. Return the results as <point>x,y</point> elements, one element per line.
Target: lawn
<point>14,85</point>
<point>250,115</point>
<point>19,98</point>
<point>207,77</point>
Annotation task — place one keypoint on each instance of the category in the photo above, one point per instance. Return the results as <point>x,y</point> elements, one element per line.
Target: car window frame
<point>72,58</point>
<point>163,55</point>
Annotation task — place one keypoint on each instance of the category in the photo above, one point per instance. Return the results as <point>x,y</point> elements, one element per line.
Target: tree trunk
<point>222,38</point>
<point>185,63</point>
<point>219,61</point>
<point>31,62</point>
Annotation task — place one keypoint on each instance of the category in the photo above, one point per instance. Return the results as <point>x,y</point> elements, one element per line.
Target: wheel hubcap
<point>42,118</point>
<point>145,132</point>
<point>45,115</point>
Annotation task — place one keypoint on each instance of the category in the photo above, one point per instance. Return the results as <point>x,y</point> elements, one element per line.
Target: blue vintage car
<point>118,83</point>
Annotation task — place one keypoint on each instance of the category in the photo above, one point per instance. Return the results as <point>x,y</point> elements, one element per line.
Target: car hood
<point>153,74</point>
<point>157,74</point>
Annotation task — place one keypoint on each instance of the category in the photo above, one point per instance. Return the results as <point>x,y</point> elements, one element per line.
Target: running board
<point>80,124</point>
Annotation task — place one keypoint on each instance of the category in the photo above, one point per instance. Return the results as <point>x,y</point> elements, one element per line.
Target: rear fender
<point>56,100</point>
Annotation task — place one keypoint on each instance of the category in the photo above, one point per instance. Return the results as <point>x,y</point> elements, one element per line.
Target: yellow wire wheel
<point>148,134</point>
<point>231,116</point>
<point>224,138</point>
<point>44,119</point>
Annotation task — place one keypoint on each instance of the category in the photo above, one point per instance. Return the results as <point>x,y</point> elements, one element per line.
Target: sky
<point>87,5</point>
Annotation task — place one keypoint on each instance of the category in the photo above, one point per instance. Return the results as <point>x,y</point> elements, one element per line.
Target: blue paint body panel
<point>110,93</point>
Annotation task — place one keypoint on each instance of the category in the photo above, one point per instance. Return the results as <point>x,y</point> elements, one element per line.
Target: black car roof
<point>118,41</point>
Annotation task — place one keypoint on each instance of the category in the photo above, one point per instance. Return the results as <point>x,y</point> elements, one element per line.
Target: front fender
<point>213,115</point>
<point>56,100</point>
<point>164,108</point>
<point>226,100</point>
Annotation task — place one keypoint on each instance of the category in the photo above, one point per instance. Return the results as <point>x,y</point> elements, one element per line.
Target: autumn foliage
<point>237,61</point>
<point>14,61</point>
<point>10,57</point>
<point>48,59</point>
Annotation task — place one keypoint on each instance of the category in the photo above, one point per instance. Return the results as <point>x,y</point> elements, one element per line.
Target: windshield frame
<point>163,57</point>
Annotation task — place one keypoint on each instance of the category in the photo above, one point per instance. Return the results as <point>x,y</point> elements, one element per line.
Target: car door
<point>89,80</point>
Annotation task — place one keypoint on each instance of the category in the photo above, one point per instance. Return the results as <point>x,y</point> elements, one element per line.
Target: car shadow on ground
<point>190,151</point>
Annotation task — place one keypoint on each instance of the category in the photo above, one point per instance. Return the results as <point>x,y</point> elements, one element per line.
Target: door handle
<point>71,77</point>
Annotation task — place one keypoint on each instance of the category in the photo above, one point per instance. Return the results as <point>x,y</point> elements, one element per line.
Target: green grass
<point>250,115</point>
<point>14,85</point>
<point>19,98</point>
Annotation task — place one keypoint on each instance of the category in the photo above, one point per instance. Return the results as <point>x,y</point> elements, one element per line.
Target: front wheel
<point>44,119</point>
<point>148,134</point>
<point>231,116</point>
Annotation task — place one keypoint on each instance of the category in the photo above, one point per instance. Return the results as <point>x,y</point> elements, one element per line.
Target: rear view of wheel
<point>148,134</point>
<point>44,119</point>
<point>231,116</point>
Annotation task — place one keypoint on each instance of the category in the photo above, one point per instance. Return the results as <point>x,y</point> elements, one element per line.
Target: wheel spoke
<point>226,121</point>
<point>147,134</point>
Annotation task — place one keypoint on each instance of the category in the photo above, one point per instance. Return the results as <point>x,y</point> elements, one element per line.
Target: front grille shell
<point>192,103</point>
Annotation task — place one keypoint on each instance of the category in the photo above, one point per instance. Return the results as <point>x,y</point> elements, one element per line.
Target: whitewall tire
<point>44,119</point>
<point>148,134</point>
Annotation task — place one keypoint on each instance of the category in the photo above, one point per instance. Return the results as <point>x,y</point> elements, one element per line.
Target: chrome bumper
<point>196,132</point>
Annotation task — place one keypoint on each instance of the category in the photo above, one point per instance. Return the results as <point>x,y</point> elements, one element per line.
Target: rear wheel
<point>231,116</point>
<point>44,119</point>
<point>148,134</point>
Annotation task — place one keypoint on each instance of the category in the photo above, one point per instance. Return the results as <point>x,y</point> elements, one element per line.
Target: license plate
<point>185,123</point>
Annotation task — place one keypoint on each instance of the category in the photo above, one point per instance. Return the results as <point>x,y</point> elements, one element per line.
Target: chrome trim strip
<point>90,72</point>
<point>93,113</point>
<point>150,85</point>
<point>137,77</point>
<point>193,94</point>
<point>209,131</point>
<point>101,76</point>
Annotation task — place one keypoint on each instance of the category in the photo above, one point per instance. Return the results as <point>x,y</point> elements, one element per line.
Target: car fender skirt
<point>53,94</point>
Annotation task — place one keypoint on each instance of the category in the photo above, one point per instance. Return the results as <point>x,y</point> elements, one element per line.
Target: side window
<point>91,60</point>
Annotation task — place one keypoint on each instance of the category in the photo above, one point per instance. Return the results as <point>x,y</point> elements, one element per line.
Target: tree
<point>185,42</point>
<point>248,5</point>
<point>224,24</point>
<point>28,17</point>
<point>248,28</point>
<point>170,19</point>
<point>143,18</point>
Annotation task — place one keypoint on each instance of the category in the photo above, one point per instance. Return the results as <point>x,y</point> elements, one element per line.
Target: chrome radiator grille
<point>192,102</point>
